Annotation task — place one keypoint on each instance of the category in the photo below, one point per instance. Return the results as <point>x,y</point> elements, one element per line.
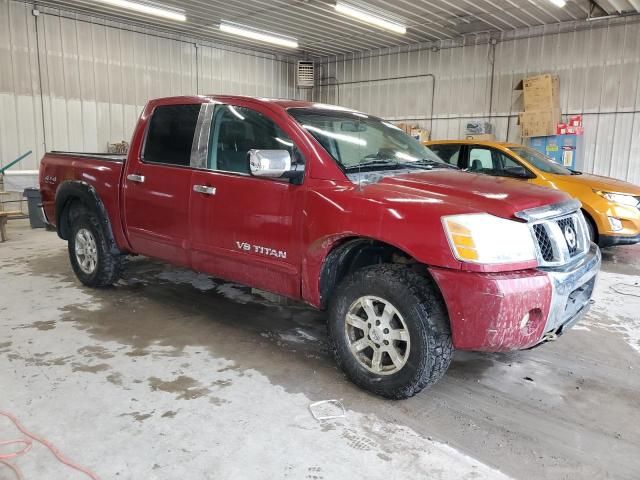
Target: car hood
<point>597,182</point>
<point>464,192</point>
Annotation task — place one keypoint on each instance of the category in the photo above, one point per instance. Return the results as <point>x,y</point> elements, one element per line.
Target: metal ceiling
<point>321,31</point>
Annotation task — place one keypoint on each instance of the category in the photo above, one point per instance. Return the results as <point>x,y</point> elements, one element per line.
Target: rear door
<point>245,228</point>
<point>157,185</point>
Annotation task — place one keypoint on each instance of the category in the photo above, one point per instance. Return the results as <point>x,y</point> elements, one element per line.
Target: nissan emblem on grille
<point>570,236</point>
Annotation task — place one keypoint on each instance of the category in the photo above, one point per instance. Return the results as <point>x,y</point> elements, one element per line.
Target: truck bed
<point>112,157</point>
<point>102,171</point>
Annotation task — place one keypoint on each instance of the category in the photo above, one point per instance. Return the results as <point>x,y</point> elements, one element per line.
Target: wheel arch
<point>74,193</point>
<point>589,218</point>
<point>352,253</point>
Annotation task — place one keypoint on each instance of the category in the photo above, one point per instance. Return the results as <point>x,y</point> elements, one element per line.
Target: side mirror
<point>520,172</point>
<point>269,163</point>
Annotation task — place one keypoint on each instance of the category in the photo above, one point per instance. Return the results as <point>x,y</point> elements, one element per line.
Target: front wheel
<point>591,230</point>
<point>389,330</point>
<point>92,260</point>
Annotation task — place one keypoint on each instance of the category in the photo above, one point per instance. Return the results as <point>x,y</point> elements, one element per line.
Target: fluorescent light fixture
<point>260,35</point>
<point>367,17</point>
<point>559,3</point>
<point>148,8</point>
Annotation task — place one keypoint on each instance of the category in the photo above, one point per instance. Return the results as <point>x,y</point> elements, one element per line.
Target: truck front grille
<point>544,242</point>
<point>560,240</point>
<point>568,225</point>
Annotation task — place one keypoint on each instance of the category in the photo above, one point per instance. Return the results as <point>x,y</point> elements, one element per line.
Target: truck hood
<point>597,182</point>
<point>464,192</point>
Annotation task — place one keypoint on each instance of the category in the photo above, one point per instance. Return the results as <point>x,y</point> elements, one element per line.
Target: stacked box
<point>541,97</point>
<point>420,134</point>
<point>484,137</point>
<point>541,92</point>
<point>539,123</point>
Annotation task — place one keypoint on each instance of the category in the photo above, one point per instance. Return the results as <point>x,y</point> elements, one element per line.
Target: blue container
<point>565,150</point>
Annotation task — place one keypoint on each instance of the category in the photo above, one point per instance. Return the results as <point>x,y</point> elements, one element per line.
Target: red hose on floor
<point>27,446</point>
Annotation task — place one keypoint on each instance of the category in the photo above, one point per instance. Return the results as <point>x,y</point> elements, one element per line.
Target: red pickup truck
<point>410,256</point>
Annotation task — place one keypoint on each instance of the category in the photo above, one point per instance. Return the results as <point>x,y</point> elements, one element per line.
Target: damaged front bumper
<point>571,290</point>
<point>499,312</point>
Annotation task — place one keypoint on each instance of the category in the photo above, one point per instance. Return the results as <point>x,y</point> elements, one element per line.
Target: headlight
<point>620,198</point>
<point>483,238</point>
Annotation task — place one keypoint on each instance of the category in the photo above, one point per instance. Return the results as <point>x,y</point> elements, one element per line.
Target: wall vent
<point>305,74</point>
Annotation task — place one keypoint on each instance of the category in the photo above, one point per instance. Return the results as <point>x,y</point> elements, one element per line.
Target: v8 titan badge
<point>260,250</point>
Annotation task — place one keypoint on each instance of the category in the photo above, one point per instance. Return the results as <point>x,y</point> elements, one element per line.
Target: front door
<point>157,186</point>
<point>245,228</point>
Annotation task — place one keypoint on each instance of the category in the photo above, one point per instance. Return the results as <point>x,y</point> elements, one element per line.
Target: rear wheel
<point>91,258</point>
<point>389,330</point>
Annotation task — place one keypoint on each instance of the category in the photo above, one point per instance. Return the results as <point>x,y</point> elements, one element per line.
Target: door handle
<point>136,178</point>
<point>204,189</point>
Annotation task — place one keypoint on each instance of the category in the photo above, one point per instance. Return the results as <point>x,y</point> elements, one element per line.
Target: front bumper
<point>499,312</point>
<point>612,240</point>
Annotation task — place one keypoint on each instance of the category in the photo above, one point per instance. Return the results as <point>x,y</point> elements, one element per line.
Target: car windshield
<point>540,161</point>
<point>361,142</point>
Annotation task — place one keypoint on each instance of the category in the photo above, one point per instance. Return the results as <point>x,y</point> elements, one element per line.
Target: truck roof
<point>284,103</point>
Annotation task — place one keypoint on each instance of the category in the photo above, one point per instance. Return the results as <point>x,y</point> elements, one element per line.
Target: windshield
<point>360,142</point>
<point>540,161</point>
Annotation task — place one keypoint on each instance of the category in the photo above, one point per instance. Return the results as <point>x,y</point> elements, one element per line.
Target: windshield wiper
<point>379,162</point>
<point>432,163</point>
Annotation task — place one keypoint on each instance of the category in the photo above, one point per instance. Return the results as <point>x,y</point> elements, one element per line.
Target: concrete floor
<point>176,375</point>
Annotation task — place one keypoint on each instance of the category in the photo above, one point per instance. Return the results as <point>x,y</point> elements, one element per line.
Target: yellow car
<point>611,207</point>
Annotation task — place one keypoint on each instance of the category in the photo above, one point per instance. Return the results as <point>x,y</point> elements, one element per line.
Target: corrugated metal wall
<point>96,77</point>
<point>599,68</point>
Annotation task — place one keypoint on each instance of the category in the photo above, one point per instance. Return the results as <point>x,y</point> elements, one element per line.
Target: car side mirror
<point>520,172</point>
<point>269,163</point>
<point>274,164</point>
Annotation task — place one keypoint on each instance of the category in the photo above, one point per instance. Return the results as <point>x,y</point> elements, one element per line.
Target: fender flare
<point>77,190</point>
<point>341,259</point>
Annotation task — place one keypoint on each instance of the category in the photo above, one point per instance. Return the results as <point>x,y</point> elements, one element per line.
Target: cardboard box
<point>484,137</point>
<point>541,92</point>
<point>421,134</point>
<point>405,127</point>
<point>539,123</point>
<point>561,129</point>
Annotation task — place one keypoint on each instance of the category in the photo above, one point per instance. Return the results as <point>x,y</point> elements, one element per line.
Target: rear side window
<point>448,152</point>
<point>170,134</point>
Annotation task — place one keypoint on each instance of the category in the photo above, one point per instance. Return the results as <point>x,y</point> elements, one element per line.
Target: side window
<point>480,160</point>
<point>504,161</point>
<point>170,134</point>
<point>447,152</point>
<point>507,166</point>
<point>236,130</point>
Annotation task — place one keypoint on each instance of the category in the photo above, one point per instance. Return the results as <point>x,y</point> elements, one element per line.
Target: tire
<point>591,230</point>
<point>419,311</point>
<point>87,233</point>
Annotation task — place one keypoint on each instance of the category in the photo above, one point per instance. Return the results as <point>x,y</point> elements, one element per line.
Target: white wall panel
<point>599,68</point>
<point>96,77</point>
